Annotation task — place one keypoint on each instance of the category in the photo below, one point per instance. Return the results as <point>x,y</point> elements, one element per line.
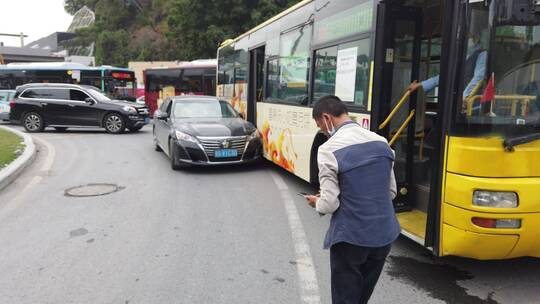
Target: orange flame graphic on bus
<point>280,152</point>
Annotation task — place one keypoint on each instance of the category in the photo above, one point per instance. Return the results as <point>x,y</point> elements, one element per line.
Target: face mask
<point>332,131</point>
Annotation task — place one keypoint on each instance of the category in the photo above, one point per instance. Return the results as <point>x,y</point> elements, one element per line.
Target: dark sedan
<point>203,130</point>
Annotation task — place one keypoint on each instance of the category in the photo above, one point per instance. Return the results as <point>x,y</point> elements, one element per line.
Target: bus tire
<point>114,123</point>
<point>319,139</point>
<point>33,122</point>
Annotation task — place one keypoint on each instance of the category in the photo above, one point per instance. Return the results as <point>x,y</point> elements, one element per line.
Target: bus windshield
<point>501,73</point>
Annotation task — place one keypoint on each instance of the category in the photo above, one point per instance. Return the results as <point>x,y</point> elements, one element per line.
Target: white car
<point>5,97</point>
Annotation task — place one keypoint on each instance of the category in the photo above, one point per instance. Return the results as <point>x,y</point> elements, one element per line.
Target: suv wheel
<point>33,122</point>
<point>114,123</point>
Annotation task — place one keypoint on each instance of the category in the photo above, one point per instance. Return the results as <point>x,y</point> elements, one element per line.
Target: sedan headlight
<point>253,135</point>
<point>183,136</point>
<point>495,199</point>
<point>130,109</point>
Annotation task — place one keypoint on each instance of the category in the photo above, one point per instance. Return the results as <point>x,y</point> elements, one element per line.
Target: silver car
<point>5,97</point>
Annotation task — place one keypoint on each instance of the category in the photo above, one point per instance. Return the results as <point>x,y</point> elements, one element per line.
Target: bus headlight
<point>495,199</point>
<point>183,136</point>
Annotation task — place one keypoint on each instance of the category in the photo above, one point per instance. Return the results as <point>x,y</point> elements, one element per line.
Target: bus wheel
<point>114,123</point>
<point>320,139</point>
<point>33,122</point>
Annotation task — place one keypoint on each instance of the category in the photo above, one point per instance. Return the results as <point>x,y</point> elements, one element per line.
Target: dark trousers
<point>355,272</point>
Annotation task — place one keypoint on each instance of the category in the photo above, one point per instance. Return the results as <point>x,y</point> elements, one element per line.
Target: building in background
<point>57,46</point>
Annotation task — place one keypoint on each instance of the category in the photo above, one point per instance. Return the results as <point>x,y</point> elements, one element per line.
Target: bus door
<point>256,81</point>
<point>398,115</point>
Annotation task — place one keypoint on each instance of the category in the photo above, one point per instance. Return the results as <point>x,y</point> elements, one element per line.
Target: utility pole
<point>21,35</point>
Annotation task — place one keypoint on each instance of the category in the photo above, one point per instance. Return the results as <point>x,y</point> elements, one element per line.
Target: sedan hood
<point>214,127</point>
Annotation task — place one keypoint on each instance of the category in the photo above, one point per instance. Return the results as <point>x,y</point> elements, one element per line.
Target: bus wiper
<point>510,143</point>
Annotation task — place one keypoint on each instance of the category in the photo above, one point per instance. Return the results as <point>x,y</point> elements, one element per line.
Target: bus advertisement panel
<point>433,84</point>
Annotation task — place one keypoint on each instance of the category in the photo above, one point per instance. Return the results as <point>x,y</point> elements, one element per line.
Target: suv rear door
<point>52,101</point>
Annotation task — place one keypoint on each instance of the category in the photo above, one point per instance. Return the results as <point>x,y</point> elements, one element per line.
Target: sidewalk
<point>9,173</point>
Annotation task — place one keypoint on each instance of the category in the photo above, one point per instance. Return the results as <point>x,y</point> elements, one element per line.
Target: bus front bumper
<point>461,237</point>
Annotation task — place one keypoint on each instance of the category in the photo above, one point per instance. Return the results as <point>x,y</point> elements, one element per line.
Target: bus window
<point>502,86</point>
<point>333,74</point>
<point>291,82</point>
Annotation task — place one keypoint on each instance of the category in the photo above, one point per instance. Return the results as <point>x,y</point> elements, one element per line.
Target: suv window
<point>47,93</point>
<point>78,95</point>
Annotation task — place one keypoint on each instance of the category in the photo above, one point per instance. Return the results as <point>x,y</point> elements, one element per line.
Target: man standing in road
<point>357,187</point>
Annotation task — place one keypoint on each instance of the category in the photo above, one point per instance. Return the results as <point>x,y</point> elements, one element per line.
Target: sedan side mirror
<point>89,101</point>
<point>242,115</point>
<point>163,116</point>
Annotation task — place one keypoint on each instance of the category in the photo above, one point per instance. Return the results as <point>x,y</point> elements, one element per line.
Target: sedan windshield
<point>203,108</point>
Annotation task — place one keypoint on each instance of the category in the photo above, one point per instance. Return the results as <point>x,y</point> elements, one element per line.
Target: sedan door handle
<point>44,103</point>
<point>71,105</point>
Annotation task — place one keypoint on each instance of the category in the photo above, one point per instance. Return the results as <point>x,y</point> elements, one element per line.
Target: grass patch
<point>9,144</point>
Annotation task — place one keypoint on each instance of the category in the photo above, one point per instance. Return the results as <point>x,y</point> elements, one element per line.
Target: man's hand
<point>414,86</point>
<point>312,200</point>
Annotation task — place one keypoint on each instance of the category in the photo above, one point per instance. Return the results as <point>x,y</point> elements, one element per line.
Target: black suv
<point>37,106</point>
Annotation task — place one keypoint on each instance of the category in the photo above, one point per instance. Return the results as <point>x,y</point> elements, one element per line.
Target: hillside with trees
<point>145,30</point>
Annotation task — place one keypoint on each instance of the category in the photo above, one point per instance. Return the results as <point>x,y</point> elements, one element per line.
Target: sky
<point>35,18</point>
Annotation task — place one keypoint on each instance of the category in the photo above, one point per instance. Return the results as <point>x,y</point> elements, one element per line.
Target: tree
<point>72,6</point>
<point>112,48</point>
<point>168,29</point>
<point>196,28</point>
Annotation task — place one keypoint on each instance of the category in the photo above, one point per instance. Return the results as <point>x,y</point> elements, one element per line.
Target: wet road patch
<point>78,232</point>
<point>438,280</point>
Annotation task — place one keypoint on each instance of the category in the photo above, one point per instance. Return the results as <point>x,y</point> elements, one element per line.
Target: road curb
<point>16,167</point>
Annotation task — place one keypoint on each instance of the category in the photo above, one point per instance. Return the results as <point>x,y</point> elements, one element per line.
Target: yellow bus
<point>467,140</point>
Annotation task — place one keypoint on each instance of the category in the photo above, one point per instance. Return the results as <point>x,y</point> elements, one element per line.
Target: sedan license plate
<point>226,153</point>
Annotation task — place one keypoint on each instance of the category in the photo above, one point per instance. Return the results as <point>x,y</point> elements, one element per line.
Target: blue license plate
<point>146,120</point>
<point>226,153</point>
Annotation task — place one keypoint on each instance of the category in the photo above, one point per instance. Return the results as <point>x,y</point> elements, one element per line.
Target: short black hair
<point>329,104</point>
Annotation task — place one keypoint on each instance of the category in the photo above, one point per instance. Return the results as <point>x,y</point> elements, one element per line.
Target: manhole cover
<point>92,190</point>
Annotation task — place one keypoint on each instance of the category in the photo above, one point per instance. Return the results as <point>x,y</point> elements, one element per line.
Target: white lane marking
<point>45,168</point>
<point>309,286</point>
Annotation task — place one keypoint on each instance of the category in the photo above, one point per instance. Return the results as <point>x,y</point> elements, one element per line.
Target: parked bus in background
<point>117,83</point>
<point>467,149</point>
<point>197,77</point>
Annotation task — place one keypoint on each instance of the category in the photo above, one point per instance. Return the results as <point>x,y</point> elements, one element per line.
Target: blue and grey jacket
<point>357,187</point>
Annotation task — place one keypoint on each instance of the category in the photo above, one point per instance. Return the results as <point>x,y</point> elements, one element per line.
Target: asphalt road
<point>205,235</point>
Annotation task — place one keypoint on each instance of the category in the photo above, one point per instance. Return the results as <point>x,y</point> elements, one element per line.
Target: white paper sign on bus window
<point>346,73</point>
